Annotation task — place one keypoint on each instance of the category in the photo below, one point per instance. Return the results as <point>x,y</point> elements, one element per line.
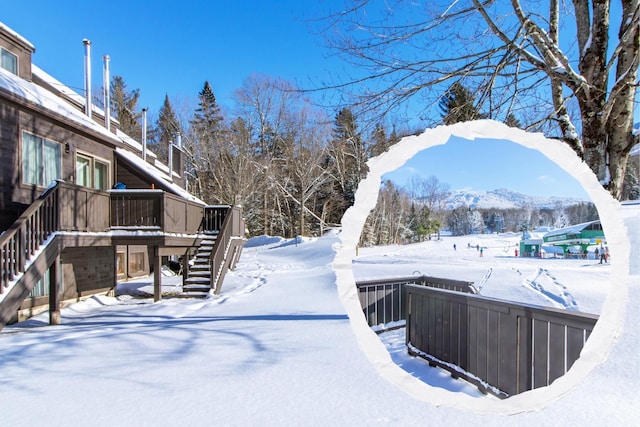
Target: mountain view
<point>505,199</point>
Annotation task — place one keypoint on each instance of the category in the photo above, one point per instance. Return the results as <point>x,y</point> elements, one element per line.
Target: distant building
<point>579,236</point>
<point>569,241</point>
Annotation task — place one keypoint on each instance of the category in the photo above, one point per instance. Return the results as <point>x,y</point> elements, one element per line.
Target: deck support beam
<point>54,292</point>
<point>156,260</point>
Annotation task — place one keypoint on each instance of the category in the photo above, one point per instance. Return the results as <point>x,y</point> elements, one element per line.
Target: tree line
<point>293,168</point>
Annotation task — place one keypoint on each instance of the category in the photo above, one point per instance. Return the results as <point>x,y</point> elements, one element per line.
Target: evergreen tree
<point>207,117</point>
<point>380,141</point>
<point>124,104</point>
<point>349,157</point>
<point>458,105</point>
<point>165,131</point>
<point>463,220</point>
<point>205,148</point>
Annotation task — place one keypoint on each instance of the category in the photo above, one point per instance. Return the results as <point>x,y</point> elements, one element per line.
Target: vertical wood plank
<point>157,276</point>
<point>54,292</point>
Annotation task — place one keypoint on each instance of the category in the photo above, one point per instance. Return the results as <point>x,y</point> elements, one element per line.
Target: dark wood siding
<point>132,178</point>
<point>22,51</point>
<point>10,210</point>
<point>16,195</point>
<point>87,269</point>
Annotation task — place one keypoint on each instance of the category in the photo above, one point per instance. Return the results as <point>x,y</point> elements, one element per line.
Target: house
<point>65,232</point>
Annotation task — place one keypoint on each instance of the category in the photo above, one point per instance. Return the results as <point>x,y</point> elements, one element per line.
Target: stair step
<point>197,280</point>
<point>199,273</point>
<point>190,289</point>
<point>192,295</point>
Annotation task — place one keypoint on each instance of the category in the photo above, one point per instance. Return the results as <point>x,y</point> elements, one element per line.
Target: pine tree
<point>207,117</point>
<point>458,105</point>
<point>380,141</point>
<point>206,146</point>
<point>124,104</point>
<point>347,160</point>
<point>165,131</point>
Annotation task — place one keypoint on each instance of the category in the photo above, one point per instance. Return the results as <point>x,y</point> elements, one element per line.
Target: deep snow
<point>286,342</point>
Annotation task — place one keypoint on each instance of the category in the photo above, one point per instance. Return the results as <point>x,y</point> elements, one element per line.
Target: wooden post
<point>185,265</point>
<point>154,255</point>
<point>54,292</point>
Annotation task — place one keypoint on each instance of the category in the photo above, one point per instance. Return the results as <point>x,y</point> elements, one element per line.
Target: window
<point>8,61</point>
<point>92,172</point>
<point>41,160</point>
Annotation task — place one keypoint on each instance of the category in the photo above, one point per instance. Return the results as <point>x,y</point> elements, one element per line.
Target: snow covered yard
<point>278,348</point>
<point>574,284</point>
<point>286,342</point>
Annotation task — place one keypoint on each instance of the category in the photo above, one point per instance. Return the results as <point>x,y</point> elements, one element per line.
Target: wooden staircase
<point>198,281</point>
<point>27,251</point>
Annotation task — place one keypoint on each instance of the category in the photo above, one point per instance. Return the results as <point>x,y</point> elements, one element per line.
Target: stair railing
<point>231,229</point>
<point>27,234</point>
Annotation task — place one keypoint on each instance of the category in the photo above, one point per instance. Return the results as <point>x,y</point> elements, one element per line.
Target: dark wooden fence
<point>156,210</point>
<point>509,347</point>
<point>384,301</point>
<point>82,209</point>
<point>214,217</point>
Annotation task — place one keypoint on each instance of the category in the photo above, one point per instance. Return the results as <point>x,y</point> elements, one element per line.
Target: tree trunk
<point>620,123</point>
<point>594,139</point>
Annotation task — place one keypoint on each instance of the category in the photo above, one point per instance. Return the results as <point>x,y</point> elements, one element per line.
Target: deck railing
<point>214,217</point>
<point>508,347</point>
<point>384,300</point>
<point>70,207</point>
<point>136,208</point>
<point>154,210</point>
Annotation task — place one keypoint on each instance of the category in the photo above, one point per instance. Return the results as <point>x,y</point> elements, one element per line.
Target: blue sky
<point>489,165</point>
<point>168,47</point>
<point>172,47</point>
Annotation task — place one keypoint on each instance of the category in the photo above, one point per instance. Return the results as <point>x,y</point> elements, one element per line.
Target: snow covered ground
<point>574,284</point>
<point>286,342</point>
<point>275,348</point>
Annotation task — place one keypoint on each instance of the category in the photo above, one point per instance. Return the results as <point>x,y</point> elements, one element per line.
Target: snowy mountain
<point>504,199</point>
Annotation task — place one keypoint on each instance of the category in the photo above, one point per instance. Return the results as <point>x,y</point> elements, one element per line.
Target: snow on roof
<point>63,89</point>
<point>158,175</point>
<point>56,103</point>
<point>17,36</point>
<point>573,229</point>
<point>40,96</point>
